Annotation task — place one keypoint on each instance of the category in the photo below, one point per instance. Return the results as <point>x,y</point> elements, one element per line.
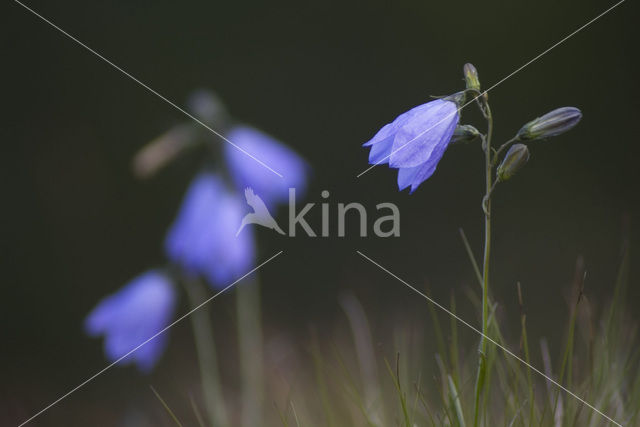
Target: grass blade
<point>166,407</point>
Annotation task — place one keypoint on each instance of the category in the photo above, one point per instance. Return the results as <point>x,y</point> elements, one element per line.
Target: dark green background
<point>323,77</point>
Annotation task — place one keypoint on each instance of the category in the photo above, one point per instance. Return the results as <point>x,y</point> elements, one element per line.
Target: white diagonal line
<point>184,316</point>
<point>147,87</point>
<point>473,328</point>
<point>540,55</point>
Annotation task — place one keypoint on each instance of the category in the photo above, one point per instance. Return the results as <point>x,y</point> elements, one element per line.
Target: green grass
<point>598,362</point>
<point>348,381</point>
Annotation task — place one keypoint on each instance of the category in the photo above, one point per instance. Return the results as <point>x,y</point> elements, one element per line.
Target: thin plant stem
<point>454,398</point>
<point>487,253</point>
<point>365,352</point>
<point>295,415</point>
<point>196,411</point>
<point>502,148</point>
<point>487,226</point>
<point>207,357</point>
<point>283,418</point>
<point>251,359</point>
<point>320,381</point>
<point>166,407</point>
<point>453,352</point>
<point>567,356</point>
<point>401,395</point>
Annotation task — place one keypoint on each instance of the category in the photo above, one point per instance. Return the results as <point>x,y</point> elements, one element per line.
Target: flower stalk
<point>486,205</point>
<point>207,355</point>
<point>250,352</point>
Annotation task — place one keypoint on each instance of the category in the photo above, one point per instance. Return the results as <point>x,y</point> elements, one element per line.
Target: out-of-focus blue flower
<point>246,172</point>
<point>202,239</point>
<point>133,315</point>
<point>415,141</point>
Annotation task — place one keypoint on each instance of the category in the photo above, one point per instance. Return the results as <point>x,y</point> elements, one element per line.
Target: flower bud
<point>208,107</point>
<point>471,77</point>
<point>553,123</point>
<point>465,133</point>
<point>513,161</point>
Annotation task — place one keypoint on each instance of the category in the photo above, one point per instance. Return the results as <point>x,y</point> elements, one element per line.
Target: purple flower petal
<point>380,151</point>
<point>430,127</point>
<point>247,172</point>
<point>382,142</point>
<point>392,128</point>
<point>202,239</point>
<point>406,176</point>
<point>133,315</point>
<point>425,170</point>
<point>387,130</point>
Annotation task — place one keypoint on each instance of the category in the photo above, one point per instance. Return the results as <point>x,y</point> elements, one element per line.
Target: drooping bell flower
<point>131,316</point>
<point>415,141</point>
<point>202,240</point>
<point>246,172</point>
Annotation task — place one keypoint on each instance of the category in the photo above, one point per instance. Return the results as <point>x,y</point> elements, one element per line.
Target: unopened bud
<point>465,133</point>
<point>207,106</point>
<point>553,123</point>
<point>471,77</point>
<point>514,160</point>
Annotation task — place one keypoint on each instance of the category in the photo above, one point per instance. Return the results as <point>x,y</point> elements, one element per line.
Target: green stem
<point>487,226</point>
<point>207,358</point>
<point>487,253</point>
<point>500,150</point>
<point>251,359</point>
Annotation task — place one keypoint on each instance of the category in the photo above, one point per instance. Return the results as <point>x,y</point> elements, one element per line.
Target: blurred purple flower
<point>247,173</point>
<point>415,141</point>
<point>202,239</point>
<point>133,315</point>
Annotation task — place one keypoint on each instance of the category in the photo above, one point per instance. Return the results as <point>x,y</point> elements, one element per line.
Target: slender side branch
<point>502,148</point>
